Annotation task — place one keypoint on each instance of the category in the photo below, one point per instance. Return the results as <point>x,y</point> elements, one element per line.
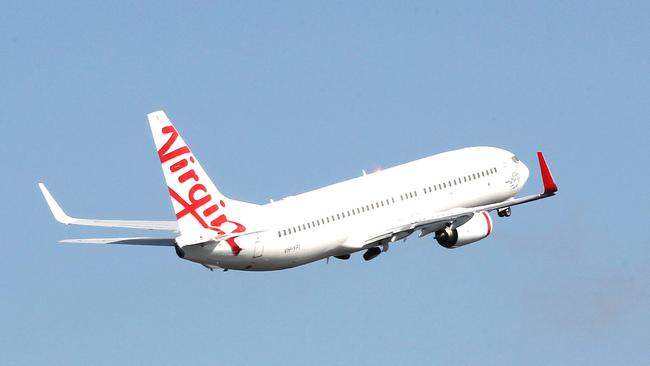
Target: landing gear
<point>504,212</point>
<point>343,257</point>
<point>371,253</point>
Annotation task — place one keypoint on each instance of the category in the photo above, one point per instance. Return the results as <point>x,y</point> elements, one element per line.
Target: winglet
<point>549,184</point>
<point>57,211</point>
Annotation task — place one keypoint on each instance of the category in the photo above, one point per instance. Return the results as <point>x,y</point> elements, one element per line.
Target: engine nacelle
<point>477,228</point>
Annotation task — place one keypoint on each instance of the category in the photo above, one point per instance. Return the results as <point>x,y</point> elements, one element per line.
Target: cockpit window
<point>515,158</point>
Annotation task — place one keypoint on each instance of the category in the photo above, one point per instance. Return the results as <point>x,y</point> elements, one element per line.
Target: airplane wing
<point>459,216</point>
<point>63,218</point>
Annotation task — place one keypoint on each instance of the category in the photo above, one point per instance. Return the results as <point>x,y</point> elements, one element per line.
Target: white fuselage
<point>333,220</point>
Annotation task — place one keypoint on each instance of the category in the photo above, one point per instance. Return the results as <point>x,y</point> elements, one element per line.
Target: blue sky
<point>278,98</point>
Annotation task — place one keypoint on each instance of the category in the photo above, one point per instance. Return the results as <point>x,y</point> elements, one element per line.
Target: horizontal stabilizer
<point>63,218</point>
<point>164,242</point>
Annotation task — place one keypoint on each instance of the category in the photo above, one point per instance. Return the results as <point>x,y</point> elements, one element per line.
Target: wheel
<point>504,212</point>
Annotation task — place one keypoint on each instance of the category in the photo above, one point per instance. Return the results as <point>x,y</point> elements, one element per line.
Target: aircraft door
<point>259,247</point>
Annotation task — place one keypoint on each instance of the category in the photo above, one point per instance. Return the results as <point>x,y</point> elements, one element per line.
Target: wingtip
<point>54,206</point>
<point>550,187</point>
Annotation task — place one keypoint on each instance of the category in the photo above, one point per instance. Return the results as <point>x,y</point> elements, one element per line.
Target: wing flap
<point>455,218</point>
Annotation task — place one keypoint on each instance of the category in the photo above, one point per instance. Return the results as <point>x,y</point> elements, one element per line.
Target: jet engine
<point>477,228</point>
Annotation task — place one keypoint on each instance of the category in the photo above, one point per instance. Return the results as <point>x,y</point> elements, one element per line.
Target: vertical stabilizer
<point>201,210</point>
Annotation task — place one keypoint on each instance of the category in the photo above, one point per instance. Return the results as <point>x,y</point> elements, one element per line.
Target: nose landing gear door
<point>259,247</point>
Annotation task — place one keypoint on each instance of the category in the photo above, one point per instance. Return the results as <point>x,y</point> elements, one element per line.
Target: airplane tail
<point>203,213</point>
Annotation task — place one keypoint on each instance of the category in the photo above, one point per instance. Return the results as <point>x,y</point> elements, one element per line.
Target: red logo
<point>197,196</point>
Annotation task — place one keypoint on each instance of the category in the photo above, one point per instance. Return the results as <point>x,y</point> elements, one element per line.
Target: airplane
<point>449,195</point>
